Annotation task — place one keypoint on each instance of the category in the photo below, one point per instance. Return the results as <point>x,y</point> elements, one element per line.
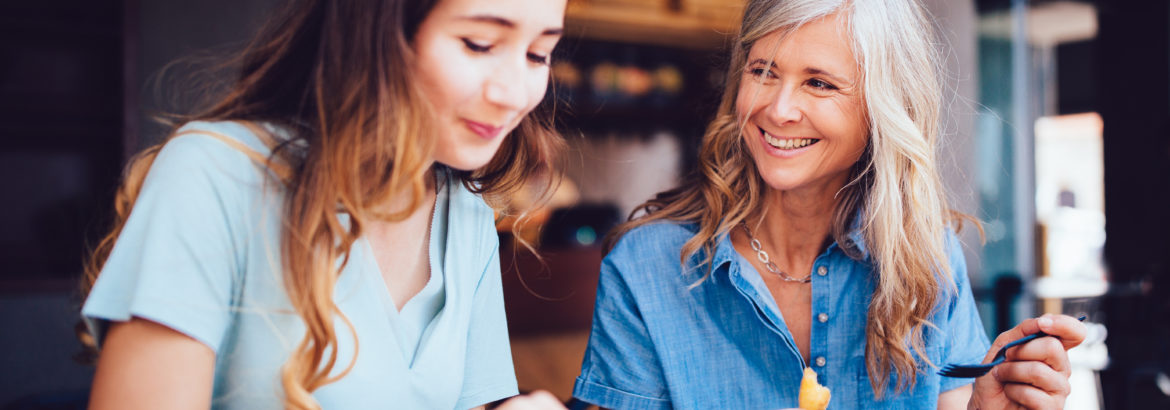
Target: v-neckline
<point>436,252</point>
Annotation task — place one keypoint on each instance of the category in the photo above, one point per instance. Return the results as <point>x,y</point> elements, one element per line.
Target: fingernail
<point>1044,322</point>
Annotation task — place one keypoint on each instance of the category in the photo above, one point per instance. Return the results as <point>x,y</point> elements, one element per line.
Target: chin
<point>466,153</point>
<point>469,162</point>
<point>782,182</point>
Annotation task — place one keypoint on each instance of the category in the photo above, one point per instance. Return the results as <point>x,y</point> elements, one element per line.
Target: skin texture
<point>482,64</point>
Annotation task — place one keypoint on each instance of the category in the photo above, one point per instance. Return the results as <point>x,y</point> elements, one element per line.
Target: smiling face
<point>801,107</point>
<point>484,66</point>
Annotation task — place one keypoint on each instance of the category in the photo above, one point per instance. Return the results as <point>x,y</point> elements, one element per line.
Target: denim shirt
<point>656,342</point>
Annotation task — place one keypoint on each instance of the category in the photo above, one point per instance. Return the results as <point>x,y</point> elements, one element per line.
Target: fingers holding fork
<point>1035,374</point>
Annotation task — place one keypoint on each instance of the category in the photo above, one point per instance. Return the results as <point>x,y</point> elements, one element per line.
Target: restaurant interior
<point>1056,137</point>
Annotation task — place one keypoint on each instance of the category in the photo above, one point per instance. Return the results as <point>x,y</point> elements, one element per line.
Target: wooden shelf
<point>696,24</point>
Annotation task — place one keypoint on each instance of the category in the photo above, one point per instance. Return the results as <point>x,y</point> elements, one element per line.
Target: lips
<point>485,131</point>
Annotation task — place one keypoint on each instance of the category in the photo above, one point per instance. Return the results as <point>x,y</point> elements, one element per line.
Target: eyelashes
<point>476,47</point>
<point>539,59</point>
<point>768,75</point>
<point>817,83</point>
<point>487,48</point>
<point>760,72</point>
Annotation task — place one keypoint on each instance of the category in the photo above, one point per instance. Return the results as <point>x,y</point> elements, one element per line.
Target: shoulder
<point>216,149</point>
<point>223,134</point>
<point>655,246</point>
<point>468,204</point>
<point>657,236</point>
<point>472,220</point>
<point>953,246</point>
<point>959,282</point>
<point>197,165</point>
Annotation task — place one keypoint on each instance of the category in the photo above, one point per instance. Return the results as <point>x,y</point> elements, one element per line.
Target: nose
<point>506,87</point>
<point>785,107</point>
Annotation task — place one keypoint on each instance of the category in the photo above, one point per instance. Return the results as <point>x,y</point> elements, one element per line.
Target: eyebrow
<point>503,22</point>
<point>807,70</point>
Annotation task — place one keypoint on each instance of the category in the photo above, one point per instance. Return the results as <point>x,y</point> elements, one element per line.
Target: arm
<point>165,292</point>
<point>621,367</point>
<point>145,365</point>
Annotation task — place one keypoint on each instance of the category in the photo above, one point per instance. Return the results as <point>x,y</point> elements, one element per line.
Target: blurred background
<point>1056,137</point>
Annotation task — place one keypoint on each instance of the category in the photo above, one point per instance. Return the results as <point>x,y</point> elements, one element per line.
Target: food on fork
<point>813,396</point>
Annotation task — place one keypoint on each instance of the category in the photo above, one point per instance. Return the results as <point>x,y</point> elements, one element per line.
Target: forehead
<point>536,14</point>
<point>823,43</point>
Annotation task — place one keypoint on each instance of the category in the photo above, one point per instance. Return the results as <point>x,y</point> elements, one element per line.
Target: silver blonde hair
<point>896,185</point>
<point>895,188</point>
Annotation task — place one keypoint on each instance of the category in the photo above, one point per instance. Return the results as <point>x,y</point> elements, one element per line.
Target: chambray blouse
<point>655,344</point>
<point>200,254</point>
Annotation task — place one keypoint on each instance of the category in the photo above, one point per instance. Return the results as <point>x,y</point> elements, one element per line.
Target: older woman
<point>815,234</point>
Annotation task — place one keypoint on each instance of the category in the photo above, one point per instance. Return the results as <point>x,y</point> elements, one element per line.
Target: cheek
<point>447,78</point>
<point>743,103</point>
<point>845,121</point>
<point>537,87</point>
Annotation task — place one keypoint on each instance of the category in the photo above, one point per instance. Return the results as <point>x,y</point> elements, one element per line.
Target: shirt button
<point>823,317</point>
<point>822,270</point>
<point>821,361</point>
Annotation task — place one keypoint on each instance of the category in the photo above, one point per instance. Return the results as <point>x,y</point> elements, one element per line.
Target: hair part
<point>895,187</point>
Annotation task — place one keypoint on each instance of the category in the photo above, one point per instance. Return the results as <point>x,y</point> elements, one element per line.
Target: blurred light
<point>586,236</point>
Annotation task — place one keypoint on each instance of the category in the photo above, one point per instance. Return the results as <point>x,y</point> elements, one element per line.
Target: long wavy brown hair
<point>334,73</point>
<point>894,187</point>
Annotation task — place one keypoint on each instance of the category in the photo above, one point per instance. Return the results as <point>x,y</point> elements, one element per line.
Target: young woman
<point>333,199</point>
<point>814,234</point>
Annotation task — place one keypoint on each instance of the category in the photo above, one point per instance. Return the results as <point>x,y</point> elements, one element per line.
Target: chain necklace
<point>767,261</point>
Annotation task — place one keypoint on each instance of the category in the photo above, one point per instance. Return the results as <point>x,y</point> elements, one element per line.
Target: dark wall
<point>1133,87</point>
<point>76,94</point>
<point>60,130</point>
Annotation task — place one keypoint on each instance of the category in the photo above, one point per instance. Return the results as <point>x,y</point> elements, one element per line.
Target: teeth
<point>788,143</point>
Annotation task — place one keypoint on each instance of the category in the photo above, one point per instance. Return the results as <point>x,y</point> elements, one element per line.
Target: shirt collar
<point>724,252</point>
<point>854,239</point>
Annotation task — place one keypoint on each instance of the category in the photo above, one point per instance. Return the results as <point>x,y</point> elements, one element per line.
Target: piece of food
<point>813,396</point>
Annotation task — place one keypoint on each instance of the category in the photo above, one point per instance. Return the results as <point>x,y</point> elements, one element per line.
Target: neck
<point>400,199</point>
<point>796,224</point>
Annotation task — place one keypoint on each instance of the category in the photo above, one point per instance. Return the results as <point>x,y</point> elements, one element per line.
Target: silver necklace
<point>767,261</point>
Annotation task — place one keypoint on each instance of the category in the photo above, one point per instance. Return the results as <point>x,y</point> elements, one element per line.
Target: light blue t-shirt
<point>200,253</point>
<point>657,343</point>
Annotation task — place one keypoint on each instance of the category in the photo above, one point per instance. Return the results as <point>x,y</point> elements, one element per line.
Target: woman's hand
<point>1035,374</point>
<point>539,400</point>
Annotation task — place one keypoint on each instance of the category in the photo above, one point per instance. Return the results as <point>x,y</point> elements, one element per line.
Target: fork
<point>977,370</point>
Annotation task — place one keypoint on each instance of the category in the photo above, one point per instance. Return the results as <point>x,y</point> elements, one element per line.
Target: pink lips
<point>483,130</point>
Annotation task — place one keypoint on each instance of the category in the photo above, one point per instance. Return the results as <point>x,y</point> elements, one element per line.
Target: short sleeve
<point>489,374</point>
<point>966,340</point>
<point>621,368</point>
<point>175,261</point>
